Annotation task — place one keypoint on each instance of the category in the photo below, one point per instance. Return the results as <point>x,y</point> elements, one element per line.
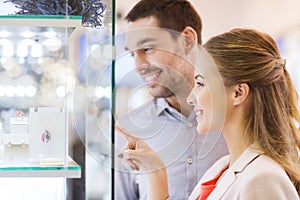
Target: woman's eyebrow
<point>199,76</point>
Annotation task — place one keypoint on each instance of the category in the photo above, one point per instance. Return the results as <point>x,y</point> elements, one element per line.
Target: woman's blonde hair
<point>252,57</point>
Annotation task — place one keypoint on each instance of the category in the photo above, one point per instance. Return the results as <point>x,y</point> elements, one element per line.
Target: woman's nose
<point>191,98</point>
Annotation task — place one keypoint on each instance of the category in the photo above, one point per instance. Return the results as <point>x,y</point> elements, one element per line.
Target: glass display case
<point>36,86</point>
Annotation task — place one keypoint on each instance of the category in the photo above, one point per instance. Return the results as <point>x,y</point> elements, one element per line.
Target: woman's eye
<point>199,84</point>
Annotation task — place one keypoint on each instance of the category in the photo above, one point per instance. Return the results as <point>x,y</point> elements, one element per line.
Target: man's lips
<point>151,77</point>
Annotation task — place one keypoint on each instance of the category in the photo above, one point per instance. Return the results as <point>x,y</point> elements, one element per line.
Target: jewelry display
<point>19,115</point>
<point>47,126</point>
<point>19,123</point>
<point>16,142</point>
<point>46,135</point>
<point>18,131</point>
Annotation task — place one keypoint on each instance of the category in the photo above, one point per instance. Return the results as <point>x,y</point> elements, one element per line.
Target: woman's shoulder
<point>266,166</point>
<point>266,177</point>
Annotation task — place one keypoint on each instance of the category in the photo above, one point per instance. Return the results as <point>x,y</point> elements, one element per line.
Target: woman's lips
<point>199,113</point>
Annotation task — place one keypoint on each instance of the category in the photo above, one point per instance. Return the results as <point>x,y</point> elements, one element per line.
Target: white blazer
<point>253,176</point>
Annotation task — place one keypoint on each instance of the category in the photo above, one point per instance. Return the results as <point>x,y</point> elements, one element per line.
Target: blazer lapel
<point>231,175</point>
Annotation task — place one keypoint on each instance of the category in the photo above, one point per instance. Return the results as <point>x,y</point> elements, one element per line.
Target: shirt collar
<point>250,154</point>
<point>161,106</point>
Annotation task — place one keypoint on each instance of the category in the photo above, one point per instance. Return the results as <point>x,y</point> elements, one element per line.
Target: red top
<point>207,187</point>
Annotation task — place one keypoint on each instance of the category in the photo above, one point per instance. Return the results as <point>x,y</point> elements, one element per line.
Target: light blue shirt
<point>186,153</point>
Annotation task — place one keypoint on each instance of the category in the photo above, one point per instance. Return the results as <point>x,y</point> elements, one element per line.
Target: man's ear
<point>240,93</point>
<point>190,38</point>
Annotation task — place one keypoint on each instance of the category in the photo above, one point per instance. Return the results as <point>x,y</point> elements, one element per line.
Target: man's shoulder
<point>148,108</point>
<point>137,114</point>
<point>142,108</point>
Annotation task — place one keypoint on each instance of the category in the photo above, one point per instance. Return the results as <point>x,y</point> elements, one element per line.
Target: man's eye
<point>147,49</point>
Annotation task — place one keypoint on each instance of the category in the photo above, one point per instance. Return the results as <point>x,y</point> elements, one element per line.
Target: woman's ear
<point>190,38</point>
<point>240,93</point>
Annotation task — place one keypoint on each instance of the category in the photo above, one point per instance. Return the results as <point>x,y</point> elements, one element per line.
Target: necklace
<point>46,135</point>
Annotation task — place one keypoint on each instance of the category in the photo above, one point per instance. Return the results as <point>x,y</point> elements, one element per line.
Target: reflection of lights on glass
<point>4,34</point>
<point>21,60</point>
<point>36,50</point>
<point>101,92</point>
<point>2,90</point>
<point>49,34</point>
<point>27,42</point>
<point>70,84</point>
<point>108,51</point>
<point>8,48</point>
<point>40,60</point>
<point>95,51</point>
<point>30,91</point>
<point>61,91</point>
<point>3,60</point>
<point>90,92</point>
<point>20,90</point>
<point>8,63</point>
<point>27,34</point>
<point>22,50</point>
<point>10,91</point>
<point>53,44</point>
<point>107,92</point>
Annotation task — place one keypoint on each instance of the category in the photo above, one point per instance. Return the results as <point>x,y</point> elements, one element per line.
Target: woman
<point>242,89</point>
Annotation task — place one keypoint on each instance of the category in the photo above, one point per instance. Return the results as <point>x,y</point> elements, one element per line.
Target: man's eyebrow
<point>141,42</point>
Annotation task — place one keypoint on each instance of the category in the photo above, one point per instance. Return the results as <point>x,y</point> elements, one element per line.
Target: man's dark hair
<point>171,14</point>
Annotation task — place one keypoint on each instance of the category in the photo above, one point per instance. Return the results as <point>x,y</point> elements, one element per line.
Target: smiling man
<point>161,61</point>
<point>160,37</point>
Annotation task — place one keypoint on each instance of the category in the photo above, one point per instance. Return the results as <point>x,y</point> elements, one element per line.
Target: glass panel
<point>85,55</point>
<point>96,73</point>
<point>98,114</point>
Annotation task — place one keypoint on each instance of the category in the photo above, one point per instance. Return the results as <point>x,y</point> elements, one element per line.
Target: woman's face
<point>208,95</point>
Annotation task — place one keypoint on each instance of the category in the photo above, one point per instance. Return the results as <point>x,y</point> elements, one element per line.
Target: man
<point>160,36</point>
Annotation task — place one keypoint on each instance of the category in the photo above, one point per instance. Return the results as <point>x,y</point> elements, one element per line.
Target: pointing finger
<point>128,136</point>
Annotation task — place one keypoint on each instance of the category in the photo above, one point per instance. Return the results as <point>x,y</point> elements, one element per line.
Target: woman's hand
<point>137,153</point>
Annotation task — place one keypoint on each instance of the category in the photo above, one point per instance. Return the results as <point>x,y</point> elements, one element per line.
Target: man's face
<point>159,58</point>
